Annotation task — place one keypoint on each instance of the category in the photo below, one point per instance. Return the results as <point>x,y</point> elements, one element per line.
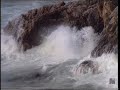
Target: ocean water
<point>55,64</point>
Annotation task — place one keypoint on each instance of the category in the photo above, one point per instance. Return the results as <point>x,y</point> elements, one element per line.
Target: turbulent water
<point>55,63</point>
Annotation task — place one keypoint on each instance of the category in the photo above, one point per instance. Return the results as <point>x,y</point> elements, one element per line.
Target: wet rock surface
<point>109,36</point>
<point>88,66</point>
<point>30,28</point>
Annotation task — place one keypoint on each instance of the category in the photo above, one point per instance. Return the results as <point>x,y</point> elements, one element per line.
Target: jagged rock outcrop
<point>30,28</point>
<point>109,36</point>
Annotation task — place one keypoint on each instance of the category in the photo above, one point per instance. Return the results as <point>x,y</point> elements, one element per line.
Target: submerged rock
<point>88,66</point>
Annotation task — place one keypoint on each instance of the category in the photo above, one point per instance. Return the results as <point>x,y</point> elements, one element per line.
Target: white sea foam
<point>63,49</point>
<point>108,69</point>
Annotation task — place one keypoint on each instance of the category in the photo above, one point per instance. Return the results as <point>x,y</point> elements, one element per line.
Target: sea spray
<point>69,42</point>
<point>53,61</point>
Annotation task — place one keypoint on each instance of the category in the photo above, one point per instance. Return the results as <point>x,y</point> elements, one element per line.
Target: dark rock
<point>109,36</point>
<point>94,19</point>
<point>88,66</point>
<point>30,28</point>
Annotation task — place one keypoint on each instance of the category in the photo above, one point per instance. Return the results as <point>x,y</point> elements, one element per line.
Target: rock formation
<point>109,36</point>
<point>30,28</point>
<point>88,66</point>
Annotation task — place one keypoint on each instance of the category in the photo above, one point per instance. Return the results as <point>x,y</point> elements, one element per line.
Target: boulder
<point>88,66</point>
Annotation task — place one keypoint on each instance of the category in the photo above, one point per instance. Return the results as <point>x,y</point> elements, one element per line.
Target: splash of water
<point>69,43</point>
<point>54,61</point>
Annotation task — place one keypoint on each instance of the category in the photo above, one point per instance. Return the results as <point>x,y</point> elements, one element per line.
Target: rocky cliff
<point>29,28</point>
<point>109,36</point>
